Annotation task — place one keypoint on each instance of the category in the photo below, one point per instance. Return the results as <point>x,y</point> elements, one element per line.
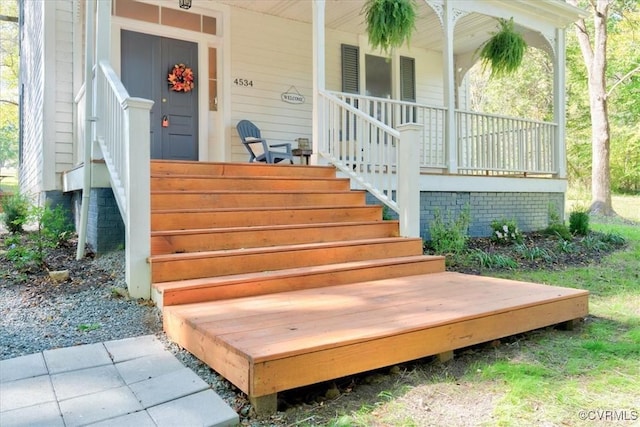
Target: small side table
<point>304,154</point>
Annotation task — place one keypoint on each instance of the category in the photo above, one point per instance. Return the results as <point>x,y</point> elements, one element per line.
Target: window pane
<point>378,76</point>
<point>135,10</point>
<point>209,25</point>
<point>180,19</point>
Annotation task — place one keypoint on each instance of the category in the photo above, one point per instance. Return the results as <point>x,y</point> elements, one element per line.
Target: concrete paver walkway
<point>130,382</point>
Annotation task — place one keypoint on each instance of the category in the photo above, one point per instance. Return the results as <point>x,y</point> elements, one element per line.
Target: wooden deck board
<point>296,338</point>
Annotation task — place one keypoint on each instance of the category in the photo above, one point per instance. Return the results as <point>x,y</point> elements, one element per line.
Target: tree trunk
<point>595,58</point>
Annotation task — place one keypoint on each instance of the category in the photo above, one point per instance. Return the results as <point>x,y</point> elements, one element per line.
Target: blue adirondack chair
<point>271,153</point>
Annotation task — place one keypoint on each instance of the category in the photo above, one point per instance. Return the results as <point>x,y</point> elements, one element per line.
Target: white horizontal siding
<point>32,80</point>
<point>64,90</point>
<point>274,54</point>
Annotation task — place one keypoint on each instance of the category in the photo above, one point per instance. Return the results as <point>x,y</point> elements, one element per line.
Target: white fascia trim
<point>491,184</point>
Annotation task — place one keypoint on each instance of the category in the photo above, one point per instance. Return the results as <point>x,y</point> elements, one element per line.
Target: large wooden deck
<point>268,343</point>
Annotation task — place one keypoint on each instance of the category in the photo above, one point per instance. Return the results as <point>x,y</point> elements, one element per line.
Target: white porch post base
<point>138,221</point>
<point>409,179</point>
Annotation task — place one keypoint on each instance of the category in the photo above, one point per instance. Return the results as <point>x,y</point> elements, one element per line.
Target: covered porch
<point>356,132</point>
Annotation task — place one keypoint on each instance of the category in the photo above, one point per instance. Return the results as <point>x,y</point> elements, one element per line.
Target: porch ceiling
<point>470,31</point>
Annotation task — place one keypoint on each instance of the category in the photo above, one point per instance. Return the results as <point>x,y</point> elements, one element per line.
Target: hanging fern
<point>389,22</point>
<point>504,50</point>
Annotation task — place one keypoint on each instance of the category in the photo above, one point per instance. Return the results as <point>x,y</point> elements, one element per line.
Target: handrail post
<point>409,179</point>
<point>138,218</point>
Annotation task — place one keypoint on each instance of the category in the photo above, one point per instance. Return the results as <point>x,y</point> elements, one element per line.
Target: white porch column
<point>559,104</point>
<point>409,179</point>
<point>451,138</point>
<point>103,53</point>
<point>318,75</point>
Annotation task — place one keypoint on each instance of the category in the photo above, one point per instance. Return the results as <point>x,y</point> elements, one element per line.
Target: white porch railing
<point>487,144</point>
<point>498,145</point>
<point>122,132</point>
<point>393,113</point>
<point>375,156</point>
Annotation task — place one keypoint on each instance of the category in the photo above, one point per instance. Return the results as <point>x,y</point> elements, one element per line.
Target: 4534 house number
<point>243,82</point>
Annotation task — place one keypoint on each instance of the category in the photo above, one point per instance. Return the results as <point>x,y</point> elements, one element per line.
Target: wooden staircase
<point>234,230</point>
<point>279,276</point>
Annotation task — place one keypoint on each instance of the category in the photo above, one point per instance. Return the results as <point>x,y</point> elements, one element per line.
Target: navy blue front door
<point>146,62</point>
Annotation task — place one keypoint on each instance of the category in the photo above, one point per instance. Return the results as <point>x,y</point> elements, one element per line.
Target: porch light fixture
<point>185,4</point>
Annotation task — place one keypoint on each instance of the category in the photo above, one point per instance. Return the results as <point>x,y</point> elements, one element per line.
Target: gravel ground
<point>91,307</point>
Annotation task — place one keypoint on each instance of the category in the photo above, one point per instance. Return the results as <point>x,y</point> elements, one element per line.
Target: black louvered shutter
<point>407,79</point>
<point>350,69</point>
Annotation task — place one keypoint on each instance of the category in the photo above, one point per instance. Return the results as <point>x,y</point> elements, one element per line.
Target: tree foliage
<point>529,93</point>
<point>9,65</point>
<point>622,80</point>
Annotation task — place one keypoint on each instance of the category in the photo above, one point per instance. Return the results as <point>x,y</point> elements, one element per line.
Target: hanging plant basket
<point>504,51</point>
<point>389,22</point>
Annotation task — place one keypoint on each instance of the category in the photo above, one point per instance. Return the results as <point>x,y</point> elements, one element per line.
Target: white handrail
<point>394,113</point>
<point>363,148</point>
<point>379,158</point>
<point>122,131</point>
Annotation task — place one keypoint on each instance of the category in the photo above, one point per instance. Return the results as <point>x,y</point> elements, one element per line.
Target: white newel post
<point>137,187</point>
<point>409,179</point>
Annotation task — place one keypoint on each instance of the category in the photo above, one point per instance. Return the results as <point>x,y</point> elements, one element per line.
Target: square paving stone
<point>100,406</point>
<point>86,381</point>
<point>131,348</point>
<point>74,358</point>
<point>136,419</point>
<point>166,387</point>
<point>201,409</point>
<point>28,366</point>
<point>144,368</point>
<point>42,415</point>
<point>26,392</point>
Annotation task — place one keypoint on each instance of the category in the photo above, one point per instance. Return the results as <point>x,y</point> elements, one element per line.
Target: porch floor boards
<point>270,343</point>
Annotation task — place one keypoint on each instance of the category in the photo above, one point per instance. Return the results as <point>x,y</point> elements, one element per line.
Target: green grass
<point>596,366</point>
<point>547,377</point>
<point>9,184</point>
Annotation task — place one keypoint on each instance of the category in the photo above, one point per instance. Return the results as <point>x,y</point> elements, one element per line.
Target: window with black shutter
<point>350,69</point>
<point>407,79</point>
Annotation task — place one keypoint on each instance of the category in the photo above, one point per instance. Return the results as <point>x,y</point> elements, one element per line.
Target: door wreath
<point>181,78</point>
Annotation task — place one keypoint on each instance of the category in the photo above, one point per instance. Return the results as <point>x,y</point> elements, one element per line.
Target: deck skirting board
<point>283,374</point>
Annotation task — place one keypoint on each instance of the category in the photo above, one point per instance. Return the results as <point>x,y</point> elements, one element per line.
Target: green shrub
<point>55,225</point>
<point>560,230</point>
<point>487,260</point>
<point>450,236</point>
<point>613,239</point>
<point>16,211</point>
<point>505,231</point>
<point>533,253</point>
<point>579,222</point>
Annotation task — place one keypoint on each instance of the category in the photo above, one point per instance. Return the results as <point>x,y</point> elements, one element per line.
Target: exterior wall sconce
<point>184,4</point>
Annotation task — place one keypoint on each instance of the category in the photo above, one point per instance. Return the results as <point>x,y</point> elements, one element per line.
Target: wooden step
<point>218,218</point>
<point>250,284</point>
<point>246,199</point>
<point>175,167</point>
<point>264,183</point>
<point>220,263</point>
<point>166,242</point>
